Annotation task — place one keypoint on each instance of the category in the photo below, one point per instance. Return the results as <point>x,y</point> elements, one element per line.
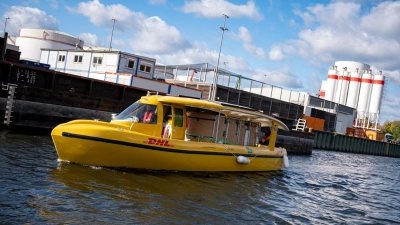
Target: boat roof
<point>227,110</point>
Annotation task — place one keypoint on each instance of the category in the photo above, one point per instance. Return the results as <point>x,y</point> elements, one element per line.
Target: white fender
<point>285,161</point>
<point>243,160</point>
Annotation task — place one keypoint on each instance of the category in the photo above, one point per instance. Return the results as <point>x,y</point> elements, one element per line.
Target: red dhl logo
<point>153,141</point>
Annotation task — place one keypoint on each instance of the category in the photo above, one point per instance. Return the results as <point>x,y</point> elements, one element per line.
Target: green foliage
<point>392,127</point>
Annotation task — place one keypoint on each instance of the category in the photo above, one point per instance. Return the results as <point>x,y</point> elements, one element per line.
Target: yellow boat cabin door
<point>178,122</point>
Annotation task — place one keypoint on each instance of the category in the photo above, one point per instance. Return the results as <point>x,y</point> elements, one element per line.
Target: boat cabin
<point>196,120</point>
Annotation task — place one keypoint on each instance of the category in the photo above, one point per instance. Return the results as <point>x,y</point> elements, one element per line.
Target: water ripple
<point>325,188</point>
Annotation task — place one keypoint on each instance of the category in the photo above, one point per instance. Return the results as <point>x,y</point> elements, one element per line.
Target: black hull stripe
<point>154,147</point>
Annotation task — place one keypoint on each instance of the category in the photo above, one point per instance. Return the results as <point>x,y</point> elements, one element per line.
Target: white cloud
<point>157,2</point>
<point>118,42</point>
<point>338,15</point>
<point>306,16</point>
<point>248,45</point>
<point>89,39</point>
<point>200,53</point>
<point>342,32</point>
<point>280,77</point>
<point>156,36</point>
<point>390,108</point>
<point>392,76</point>
<point>102,15</point>
<point>215,9</point>
<point>383,20</point>
<point>27,17</point>
<point>149,35</point>
<point>275,53</point>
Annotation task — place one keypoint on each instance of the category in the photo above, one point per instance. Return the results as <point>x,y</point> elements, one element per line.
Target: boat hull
<point>102,144</point>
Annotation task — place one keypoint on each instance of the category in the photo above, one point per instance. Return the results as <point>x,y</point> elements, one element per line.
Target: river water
<point>325,188</point>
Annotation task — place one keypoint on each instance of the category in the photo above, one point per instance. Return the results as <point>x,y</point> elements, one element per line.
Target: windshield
<point>139,112</point>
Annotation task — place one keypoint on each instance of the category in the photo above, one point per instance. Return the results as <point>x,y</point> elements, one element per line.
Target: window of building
<point>78,59</point>
<point>131,64</point>
<point>61,58</point>
<point>145,68</point>
<point>97,60</point>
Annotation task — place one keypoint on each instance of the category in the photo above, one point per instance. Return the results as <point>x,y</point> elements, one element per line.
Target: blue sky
<point>292,42</point>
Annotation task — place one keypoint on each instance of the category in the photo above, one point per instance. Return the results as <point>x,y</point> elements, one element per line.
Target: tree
<point>392,127</point>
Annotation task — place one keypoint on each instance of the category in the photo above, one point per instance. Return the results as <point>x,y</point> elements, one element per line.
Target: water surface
<point>325,188</point>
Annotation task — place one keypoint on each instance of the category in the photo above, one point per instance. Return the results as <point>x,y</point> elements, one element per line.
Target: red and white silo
<point>354,89</point>
<point>376,96</point>
<point>352,67</point>
<point>331,84</point>
<point>365,89</point>
<point>342,87</point>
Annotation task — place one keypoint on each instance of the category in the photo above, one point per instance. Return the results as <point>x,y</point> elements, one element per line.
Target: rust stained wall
<point>315,123</point>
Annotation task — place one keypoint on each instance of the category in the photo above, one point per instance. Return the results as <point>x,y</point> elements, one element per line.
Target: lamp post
<point>262,84</point>
<point>112,33</point>
<point>223,78</point>
<point>219,55</point>
<point>5,24</point>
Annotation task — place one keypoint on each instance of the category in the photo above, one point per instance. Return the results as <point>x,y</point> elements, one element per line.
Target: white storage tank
<point>342,87</point>
<point>31,41</point>
<point>331,84</point>
<point>354,89</point>
<point>352,66</point>
<point>365,89</point>
<point>376,96</point>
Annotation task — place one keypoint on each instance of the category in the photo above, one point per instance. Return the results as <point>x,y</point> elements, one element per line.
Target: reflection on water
<point>158,197</point>
<point>325,188</point>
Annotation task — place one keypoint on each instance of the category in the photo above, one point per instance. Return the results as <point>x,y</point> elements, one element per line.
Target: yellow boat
<point>179,134</point>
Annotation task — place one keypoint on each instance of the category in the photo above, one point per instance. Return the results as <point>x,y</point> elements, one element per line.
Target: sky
<point>290,44</point>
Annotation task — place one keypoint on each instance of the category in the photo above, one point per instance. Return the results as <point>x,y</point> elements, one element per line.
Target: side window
<point>61,58</point>
<point>97,60</point>
<point>178,117</point>
<point>78,59</point>
<point>131,64</point>
<point>145,68</point>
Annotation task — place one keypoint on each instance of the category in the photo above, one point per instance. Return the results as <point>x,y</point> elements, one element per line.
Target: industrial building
<point>355,85</point>
<point>285,104</point>
<point>68,54</point>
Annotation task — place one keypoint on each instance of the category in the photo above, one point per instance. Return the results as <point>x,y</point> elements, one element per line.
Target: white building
<point>114,66</point>
<point>98,63</point>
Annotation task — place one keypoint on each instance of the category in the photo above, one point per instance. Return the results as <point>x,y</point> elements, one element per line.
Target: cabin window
<point>145,68</point>
<point>97,60</point>
<point>178,117</point>
<point>61,58</point>
<point>131,64</point>
<point>78,59</point>
<point>141,113</point>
